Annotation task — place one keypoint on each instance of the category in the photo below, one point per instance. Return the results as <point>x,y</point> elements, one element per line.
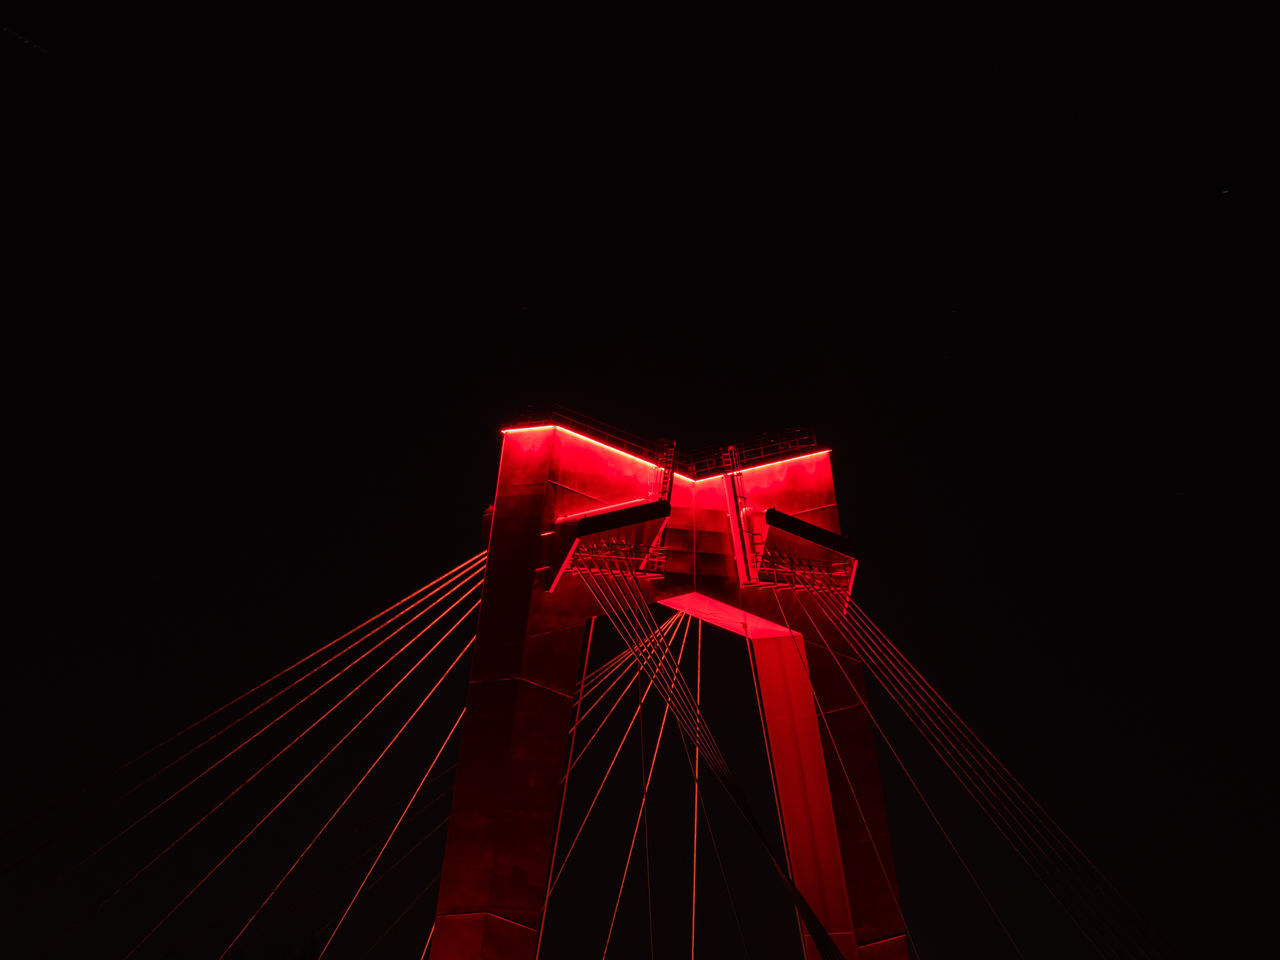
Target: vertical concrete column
<point>800,782</point>
<point>514,739</point>
<point>837,841</point>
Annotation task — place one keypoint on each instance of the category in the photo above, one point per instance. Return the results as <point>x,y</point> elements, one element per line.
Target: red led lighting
<point>702,555</point>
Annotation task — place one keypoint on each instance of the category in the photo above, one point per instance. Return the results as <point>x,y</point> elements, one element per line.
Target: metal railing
<point>774,446</point>
<point>645,561</point>
<point>781,569</point>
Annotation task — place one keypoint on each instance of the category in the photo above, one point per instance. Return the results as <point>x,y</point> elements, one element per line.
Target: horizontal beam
<point>807,531</point>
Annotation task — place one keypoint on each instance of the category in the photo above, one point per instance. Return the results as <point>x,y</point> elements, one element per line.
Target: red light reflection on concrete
<point>529,656</point>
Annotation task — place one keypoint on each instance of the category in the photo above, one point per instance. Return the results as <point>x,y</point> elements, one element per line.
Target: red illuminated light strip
<point>757,466</point>
<point>582,436</point>
<point>316,766</point>
<point>773,463</point>
<point>594,511</point>
<point>650,463</point>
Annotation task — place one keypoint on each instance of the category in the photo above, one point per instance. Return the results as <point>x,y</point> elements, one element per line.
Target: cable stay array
<point>250,760</point>
<point>322,697</point>
<point>280,716</point>
<point>1079,887</point>
<point>653,661</point>
<point>619,593</point>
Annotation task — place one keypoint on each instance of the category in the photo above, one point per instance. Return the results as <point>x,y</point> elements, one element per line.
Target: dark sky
<point>278,278</point>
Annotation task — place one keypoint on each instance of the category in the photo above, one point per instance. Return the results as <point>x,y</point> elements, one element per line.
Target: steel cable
<point>296,739</point>
<point>1042,846</point>
<point>209,769</point>
<point>316,766</point>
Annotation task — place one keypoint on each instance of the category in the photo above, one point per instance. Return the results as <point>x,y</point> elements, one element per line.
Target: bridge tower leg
<point>837,842</point>
<point>560,491</point>
<point>526,669</point>
<point>723,532</point>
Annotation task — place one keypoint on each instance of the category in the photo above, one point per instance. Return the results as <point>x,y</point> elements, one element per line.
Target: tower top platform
<point>695,463</point>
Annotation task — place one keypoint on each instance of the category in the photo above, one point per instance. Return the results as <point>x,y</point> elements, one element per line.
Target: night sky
<point>277,277</point>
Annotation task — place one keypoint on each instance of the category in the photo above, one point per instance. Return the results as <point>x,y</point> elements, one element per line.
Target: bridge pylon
<point>721,538</point>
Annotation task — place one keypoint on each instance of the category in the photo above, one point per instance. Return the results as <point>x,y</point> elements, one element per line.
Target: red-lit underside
<point>716,549</point>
